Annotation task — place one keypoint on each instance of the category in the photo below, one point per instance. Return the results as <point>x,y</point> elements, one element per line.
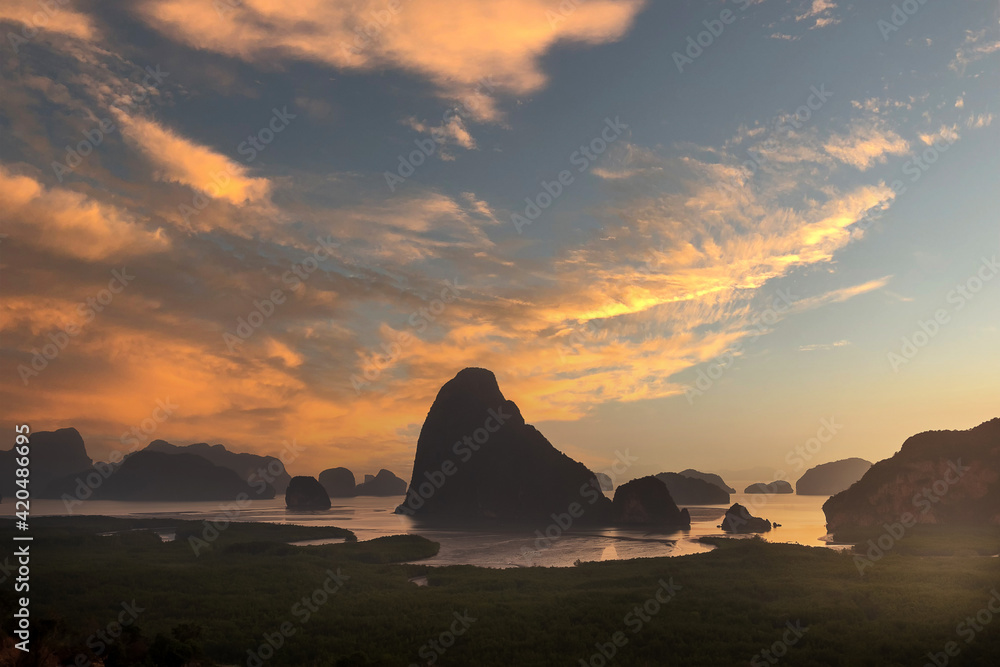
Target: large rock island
<point>338,482</point>
<point>739,520</point>
<point>709,477</point>
<point>149,475</point>
<point>385,483</point>
<point>306,493</point>
<point>477,459</point>
<point>253,468</point>
<point>827,479</point>
<point>937,477</point>
<point>691,491</point>
<point>604,481</point>
<point>777,486</point>
<point>647,501</point>
<point>54,454</point>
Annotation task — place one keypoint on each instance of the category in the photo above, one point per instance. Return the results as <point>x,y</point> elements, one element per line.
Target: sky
<point>718,235</point>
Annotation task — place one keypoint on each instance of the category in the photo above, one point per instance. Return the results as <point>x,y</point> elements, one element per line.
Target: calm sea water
<point>801,518</point>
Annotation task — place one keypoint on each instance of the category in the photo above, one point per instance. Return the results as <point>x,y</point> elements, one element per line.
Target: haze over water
<point>369,517</point>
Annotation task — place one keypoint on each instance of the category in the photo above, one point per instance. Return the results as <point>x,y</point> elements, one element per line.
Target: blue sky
<point>715,190</point>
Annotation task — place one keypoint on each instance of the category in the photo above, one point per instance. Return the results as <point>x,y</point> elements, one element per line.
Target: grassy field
<point>353,604</point>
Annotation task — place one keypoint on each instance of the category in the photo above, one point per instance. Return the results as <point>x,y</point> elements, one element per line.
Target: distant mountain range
<point>250,467</point>
<point>827,479</point>
<point>152,475</point>
<point>62,469</point>
<point>478,460</point>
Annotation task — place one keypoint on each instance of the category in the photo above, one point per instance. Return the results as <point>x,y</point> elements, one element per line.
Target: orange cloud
<point>842,294</point>
<point>865,146</point>
<point>456,46</point>
<point>182,161</point>
<point>69,223</point>
<point>51,17</point>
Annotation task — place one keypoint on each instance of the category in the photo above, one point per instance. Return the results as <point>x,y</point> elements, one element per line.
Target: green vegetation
<point>732,602</point>
<point>931,540</point>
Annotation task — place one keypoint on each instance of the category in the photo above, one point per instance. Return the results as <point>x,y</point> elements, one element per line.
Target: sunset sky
<point>745,231</point>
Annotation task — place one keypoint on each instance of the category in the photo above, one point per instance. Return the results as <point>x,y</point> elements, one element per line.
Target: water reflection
<point>801,517</point>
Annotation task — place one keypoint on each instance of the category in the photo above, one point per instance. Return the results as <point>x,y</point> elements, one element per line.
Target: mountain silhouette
<point>147,475</point>
<point>827,479</point>
<point>937,477</point>
<point>250,467</point>
<point>338,482</point>
<point>476,458</point>
<point>692,491</point>
<point>54,454</point>
<point>709,477</point>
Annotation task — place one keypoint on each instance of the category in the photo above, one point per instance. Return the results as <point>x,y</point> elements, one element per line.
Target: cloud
<point>866,145</point>
<point>692,247</point>
<point>456,48</point>
<point>52,17</point>
<point>978,44</point>
<point>626,160</point>
<point>452,131</point>
<point>842,294</point>
<point>279,350</point>
<point>944,133</point>
<point>897,296</point>
<point>882,106</point>
<point>179,160</point>
<point>408,230</point>
<point>672,279</point>
<point>979,121</point>
<point>480,206</point>
<point>820,12</point>
<point>70,223</point>
<point>672,283</point>
<point>314,108</point>
<point>824,346</point>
